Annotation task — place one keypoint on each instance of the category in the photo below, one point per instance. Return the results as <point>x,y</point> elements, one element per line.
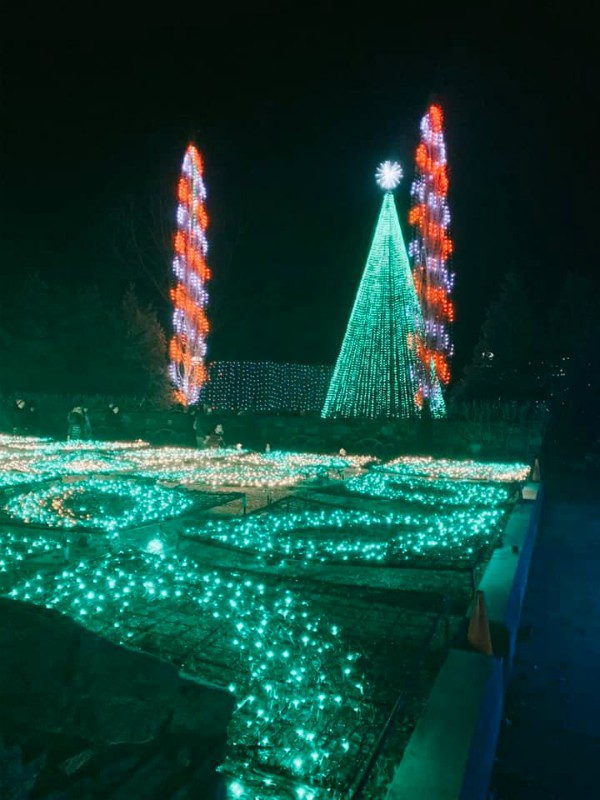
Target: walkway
<point>549,747</point>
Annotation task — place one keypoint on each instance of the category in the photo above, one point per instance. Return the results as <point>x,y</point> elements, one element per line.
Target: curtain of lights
<point>376,374</point>
<point>429,251</point>
<point>187,348</point>
<point>266,386</point>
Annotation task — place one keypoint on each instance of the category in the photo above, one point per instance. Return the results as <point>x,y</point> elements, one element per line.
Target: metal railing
<point>357,792</point>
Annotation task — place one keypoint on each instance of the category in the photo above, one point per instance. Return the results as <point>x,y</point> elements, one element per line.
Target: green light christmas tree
<point>377,371</point>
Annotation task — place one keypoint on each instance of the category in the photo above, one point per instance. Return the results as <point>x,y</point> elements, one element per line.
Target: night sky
<point>292,119</point>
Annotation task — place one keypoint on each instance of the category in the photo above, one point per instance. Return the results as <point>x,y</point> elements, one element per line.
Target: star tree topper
<point>388,175</point>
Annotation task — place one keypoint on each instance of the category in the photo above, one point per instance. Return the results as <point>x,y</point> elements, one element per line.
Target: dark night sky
<point>292,121</point>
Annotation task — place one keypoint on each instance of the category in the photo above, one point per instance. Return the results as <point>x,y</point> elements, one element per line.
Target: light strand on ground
<point>458,470</point>
<point>303,701</point>
<point>426,492</point>
<point>97,504</point>
<point>334,535</point>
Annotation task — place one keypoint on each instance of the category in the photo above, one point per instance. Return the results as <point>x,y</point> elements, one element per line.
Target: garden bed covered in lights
<point>317,615</point>
<point>310,668</point>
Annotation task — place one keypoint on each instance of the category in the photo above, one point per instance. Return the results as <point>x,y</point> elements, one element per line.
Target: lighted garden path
<point>551,747</point>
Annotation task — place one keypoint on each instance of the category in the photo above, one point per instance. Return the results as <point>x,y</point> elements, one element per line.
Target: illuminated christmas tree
<point>377,371</point>
<point>429,252</point>
<point>187,348</point>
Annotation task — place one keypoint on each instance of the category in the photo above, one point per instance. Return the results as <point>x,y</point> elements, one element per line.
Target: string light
<point>37,460</point>
<point>394,485</point>
<point>429,251</point>
<point>266,386</point>
<point>430,482</point>
<point>458,470</point>
<point>17,547</point>
<point>18,442</point>
<point>97,504</point>
<point>239,468</point>
<point>44,461</point>
<point>376,374</point>
<point>358,536</point>
<point>304,697</point>
<point>308,705</point>
<point>187,348</point>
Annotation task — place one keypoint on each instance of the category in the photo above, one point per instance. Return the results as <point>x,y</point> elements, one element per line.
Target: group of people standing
<point>24,421</point>
<point>211,440</point>
<point>79,425</point>
<point>24,417</point>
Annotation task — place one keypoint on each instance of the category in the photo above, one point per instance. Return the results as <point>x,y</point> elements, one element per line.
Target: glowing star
<point>388,175</point>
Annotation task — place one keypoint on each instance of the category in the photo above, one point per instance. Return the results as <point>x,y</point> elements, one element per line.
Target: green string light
<point>241,468</point>
<point>377,371</point>
<point>97,504</point>
<point>358,537</point>
<point>308,706</point>
<point>458,470</point>
<point>16,548</point>
<point>303,697</point>
<point>426,492</point>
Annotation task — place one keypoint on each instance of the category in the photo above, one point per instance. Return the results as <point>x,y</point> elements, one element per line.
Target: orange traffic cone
<point>535,475</point>
<point>479,629</point>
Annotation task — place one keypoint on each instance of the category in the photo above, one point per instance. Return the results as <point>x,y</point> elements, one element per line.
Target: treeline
<point>71,341</point>
<point>530,349</point>
<point>542,352</point>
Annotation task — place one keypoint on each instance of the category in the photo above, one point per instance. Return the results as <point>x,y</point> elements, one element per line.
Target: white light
<point>388,175</point>
<point>155,546</point>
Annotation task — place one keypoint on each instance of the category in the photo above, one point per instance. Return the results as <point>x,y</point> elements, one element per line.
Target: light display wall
<point>266,386</point>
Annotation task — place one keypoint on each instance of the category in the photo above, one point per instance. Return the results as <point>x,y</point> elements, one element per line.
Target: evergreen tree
<point>506,358</point>
<point>72,340</point>
<point>377,371</point>
<point>143,357</point>
<point>574,351</point>
<point>89,342</point>
<point>29,357</point>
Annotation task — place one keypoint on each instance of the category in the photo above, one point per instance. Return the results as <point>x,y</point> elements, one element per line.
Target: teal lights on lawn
<point>308,707</point>
<point>239,468</point>
<point>436,483</point>
<point>335,535</point>
<point>304,702</point>
<point>35,461</point>
<point>32,460</point>
<point>77,463</point>
<point>377,371</point>
<point>18,442</point>
<point>457,470</point>
<point>424,492</point>
<point>97,504</point>
<point>18,546</point>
